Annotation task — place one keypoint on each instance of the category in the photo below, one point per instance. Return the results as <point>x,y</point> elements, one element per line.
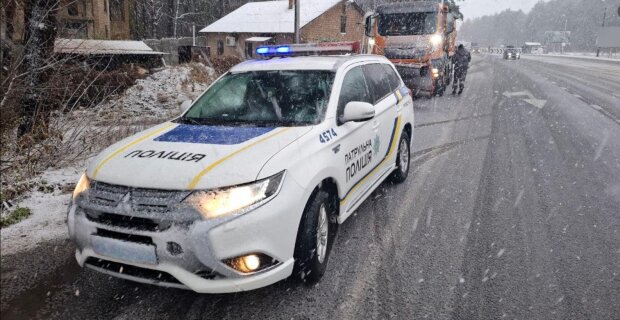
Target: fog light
<point>250,263</point>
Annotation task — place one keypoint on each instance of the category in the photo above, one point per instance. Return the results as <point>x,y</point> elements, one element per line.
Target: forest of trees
<point>582,18</point>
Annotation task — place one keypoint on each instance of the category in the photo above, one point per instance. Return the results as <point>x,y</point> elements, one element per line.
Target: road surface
<point>512,211</point>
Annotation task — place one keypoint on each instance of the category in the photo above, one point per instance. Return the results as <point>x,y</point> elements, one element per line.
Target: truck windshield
<point>280,98</point>
<point>402,24</point>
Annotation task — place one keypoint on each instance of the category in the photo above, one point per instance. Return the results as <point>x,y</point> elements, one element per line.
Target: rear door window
<point>392,77</point>
<point>378,81</point>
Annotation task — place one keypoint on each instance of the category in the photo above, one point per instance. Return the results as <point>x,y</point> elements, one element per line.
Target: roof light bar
<point>308,49</point>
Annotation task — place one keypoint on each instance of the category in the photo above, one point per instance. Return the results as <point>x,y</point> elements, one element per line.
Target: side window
<point>378,81</point>
<point>354,88</point>
<point>392,77</point>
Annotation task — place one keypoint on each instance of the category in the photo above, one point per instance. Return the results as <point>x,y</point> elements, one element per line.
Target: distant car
<point>248,186</point>
<point>512,54</point>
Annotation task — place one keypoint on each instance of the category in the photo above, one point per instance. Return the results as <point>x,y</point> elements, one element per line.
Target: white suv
<point>248,186</point>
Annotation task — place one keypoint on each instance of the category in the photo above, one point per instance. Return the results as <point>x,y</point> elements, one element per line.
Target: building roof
<point>533,44</point>
<point>102,47</point>
<point>270,17</point>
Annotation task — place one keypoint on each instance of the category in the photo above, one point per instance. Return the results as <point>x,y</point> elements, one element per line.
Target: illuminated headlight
<point>371,41</point>
<point>82,186</point>
<point>235,200</point>
<point>435,72</point>
<point>436,41</point>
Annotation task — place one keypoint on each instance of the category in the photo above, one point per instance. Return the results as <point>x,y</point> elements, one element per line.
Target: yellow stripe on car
<point>129,145</point>
<point>389,155</point>
<point>206,170</point>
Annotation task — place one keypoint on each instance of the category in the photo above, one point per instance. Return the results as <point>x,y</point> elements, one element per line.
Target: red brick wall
<point>327,26</point>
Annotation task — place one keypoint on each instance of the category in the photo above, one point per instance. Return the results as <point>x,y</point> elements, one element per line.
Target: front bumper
<point>189,253</point>
<point>415,78</point>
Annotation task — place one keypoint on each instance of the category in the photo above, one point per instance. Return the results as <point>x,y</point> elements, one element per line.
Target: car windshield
<point>404,24</point>
<point>286,98</point>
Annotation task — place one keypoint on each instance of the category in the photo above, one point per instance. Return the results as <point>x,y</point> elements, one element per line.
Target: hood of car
<point>175,156</point>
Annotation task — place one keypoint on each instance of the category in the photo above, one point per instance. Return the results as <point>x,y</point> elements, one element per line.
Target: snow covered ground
<point>156,98</point>
<point>160,95</point>
<point>49,211</point>
<point>587,55</point>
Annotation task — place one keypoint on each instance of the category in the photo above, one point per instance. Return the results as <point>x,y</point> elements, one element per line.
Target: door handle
<point>376,124</point>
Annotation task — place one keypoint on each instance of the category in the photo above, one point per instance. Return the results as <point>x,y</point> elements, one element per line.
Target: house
<point>83,19</point>
<point>272,22</point>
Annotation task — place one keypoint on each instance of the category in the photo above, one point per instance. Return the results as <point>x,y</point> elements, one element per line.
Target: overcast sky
<point>477,8</point>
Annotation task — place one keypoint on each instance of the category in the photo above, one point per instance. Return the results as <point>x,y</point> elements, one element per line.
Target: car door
<point>386,104</point>
<point>356,139</point>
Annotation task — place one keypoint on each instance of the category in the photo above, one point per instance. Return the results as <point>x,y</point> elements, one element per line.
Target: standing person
<point>461,64</point>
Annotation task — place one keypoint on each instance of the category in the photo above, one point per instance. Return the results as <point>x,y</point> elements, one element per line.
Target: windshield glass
<point>265,97</point>
<point>403,24</point>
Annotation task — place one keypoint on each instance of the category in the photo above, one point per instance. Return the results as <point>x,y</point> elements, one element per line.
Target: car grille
<point>404,53</point>
<point>141,200</point>
<point>133,271</point>
<point>128,222</point>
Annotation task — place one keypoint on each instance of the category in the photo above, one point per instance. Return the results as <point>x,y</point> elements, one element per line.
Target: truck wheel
<point>448,74</point>
<point>440,87</point>
<point>402,160</point>
<point>315,237</point>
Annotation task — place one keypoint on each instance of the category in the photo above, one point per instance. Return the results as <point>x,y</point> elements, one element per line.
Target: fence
<point>171,46</point>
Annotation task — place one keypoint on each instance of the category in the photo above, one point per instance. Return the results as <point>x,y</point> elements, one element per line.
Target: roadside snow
<point>160,95</point>
<point>49,211</point>
<point>585,56</point>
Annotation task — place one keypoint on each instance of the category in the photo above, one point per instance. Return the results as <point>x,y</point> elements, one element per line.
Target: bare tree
<point>40,36</point>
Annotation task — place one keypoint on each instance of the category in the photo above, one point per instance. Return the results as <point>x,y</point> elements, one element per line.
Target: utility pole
<point>194,35</point>
<point>598,50</point>
<point>297,35</point>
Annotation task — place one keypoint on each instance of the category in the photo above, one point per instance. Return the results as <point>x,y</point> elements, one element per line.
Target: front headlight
<point>371,41</point>
<point>235,200</point>
<point>436,41</point>
<point>82,186</point>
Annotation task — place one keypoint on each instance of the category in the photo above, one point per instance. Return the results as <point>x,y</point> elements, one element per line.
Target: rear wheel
<point>402,160</point>
<point>315,237</point>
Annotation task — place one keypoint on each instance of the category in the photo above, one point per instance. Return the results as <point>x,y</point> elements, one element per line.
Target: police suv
<point>248,186</point>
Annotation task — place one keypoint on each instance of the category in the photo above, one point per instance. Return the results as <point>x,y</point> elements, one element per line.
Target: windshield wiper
<point>187,120</point>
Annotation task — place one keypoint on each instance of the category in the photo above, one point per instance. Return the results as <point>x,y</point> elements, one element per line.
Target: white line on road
<point>538,103</point>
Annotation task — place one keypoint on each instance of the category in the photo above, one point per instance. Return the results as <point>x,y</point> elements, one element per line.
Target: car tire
<point>401,172</point>
<point>318,217</point>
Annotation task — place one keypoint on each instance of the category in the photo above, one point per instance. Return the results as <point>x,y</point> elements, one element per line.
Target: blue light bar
<point>283,50</point>
<point>262,50</point>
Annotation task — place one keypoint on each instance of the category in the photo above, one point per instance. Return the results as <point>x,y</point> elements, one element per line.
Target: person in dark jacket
<point>461,64</point>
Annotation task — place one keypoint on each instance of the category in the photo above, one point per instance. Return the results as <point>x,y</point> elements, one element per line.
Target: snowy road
<point>513,211</point>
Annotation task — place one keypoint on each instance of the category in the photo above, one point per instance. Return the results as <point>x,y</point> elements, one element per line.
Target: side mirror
<point>358,111</point>
<point>185,105</point>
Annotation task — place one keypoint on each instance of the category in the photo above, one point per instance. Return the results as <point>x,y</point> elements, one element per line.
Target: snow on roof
<point>269,17</point>
<point>257,39</point>
<point>82,46</point>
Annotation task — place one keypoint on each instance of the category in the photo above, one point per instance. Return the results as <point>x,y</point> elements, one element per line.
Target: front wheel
<point>402,160</point>
<point>440,87</point>
<point>315,237</point>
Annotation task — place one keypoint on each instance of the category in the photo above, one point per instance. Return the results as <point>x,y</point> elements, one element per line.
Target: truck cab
<point>419,38</point>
